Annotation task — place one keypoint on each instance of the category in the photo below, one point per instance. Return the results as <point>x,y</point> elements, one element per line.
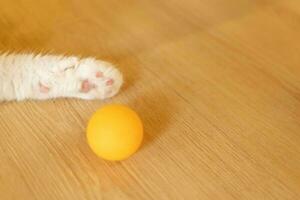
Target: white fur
<point>22,74</point>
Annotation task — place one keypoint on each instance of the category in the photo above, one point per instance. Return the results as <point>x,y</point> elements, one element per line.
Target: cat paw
<point>97,79</point>
<point>80,78</point>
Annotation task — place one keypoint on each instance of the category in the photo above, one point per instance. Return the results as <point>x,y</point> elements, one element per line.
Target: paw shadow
<point>155,111</point>
<point>130,71</point>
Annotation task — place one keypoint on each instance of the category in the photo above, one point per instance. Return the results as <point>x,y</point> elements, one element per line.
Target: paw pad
<point>110,82</point>
<point>86,86</point>
<point>43,89</point>
<point>99,74</point>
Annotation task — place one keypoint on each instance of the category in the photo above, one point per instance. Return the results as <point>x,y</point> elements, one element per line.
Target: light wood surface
<point>216,82</point>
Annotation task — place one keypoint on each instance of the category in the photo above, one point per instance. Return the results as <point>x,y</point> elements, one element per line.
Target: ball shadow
<point>155,110</point>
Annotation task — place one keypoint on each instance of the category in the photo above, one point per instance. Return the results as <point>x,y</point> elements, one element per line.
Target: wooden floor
<point>216,82</point>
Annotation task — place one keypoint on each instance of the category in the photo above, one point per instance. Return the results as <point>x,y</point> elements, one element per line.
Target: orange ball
<point>115,132</point>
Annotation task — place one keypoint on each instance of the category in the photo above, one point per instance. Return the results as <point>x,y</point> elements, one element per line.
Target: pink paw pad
<point>86,86</point>
<point>110,82</point>
<point>43,89</point>
<point>99,74</point>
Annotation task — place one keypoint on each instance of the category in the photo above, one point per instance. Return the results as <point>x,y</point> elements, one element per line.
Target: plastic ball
<point>115,132</point>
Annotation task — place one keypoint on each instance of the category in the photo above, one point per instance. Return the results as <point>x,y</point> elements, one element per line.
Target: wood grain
<point>216,82</point>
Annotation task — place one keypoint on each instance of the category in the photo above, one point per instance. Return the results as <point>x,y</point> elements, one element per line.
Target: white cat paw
<point>86,79</point>
<point>98,79</point>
